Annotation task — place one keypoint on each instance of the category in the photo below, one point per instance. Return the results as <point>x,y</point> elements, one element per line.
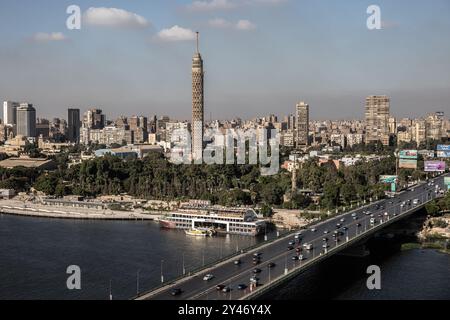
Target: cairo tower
<point>197,106</point>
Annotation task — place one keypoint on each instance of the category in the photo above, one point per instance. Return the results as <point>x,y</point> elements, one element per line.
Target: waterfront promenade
<point>34,209</point>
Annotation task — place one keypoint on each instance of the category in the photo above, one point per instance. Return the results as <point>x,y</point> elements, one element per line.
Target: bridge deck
<point>276,252</point>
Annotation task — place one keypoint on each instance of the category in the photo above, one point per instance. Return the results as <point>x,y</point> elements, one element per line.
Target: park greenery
<point>320,186</point>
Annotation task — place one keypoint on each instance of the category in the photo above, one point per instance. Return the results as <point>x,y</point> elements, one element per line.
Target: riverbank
<point>31,209</point>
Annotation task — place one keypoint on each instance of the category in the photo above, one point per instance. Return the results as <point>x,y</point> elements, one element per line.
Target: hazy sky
<point>261,56</point>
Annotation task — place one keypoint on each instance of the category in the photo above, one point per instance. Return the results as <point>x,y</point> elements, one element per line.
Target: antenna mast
<point>198,51</point>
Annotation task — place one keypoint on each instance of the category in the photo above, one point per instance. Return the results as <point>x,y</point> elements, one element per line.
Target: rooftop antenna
<point>198,51</point>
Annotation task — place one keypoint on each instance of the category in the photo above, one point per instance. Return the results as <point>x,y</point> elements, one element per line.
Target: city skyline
<point>319,67</point>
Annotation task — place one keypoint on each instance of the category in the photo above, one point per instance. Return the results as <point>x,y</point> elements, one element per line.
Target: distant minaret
<point>197,105</point>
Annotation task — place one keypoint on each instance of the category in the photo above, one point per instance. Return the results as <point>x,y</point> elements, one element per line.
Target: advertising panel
<point>443,147</point>
<point>434,166</point>
<point>408,154</point>
<point>408,164</point>
<point>443,154</point>
<point>388,179</point>
<point>447,181</point>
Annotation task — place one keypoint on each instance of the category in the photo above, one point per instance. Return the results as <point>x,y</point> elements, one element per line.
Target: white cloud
<point>176,33</point>
<point>243,25</point>
<point>220,23</point>
<point>113,17</point>
<point>211,5</point>
<point>216,5</point>
<point>48,37</point>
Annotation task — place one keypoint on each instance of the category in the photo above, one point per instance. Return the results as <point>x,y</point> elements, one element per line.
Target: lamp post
<point>162,274</point>
<point>137,282</point>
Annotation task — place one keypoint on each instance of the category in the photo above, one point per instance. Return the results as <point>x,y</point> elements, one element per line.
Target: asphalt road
<point>354,224</point>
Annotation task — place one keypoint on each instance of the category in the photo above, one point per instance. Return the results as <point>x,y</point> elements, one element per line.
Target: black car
<point>242,287</point>
<point>220,287</point>
<point>290,248</point>
<point>295,258</point>
<point>175,292</point>
<point>237,262</point>
<point>257,270</point>
<point>271,265</point>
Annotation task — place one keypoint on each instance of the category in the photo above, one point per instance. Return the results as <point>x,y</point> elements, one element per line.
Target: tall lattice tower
<point>197,105</point>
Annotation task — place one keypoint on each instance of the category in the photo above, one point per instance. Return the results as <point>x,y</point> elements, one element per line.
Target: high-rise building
<point>26,120</point>
<point>197,105</point>
<point>94,119</point>
<point>377,119</point>
<point>434,125</point>
<point>10,112</point>
<point>302,137</point>
<point>73,134</point>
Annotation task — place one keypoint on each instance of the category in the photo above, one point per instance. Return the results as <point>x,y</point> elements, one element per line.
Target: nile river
<point>35,253</point>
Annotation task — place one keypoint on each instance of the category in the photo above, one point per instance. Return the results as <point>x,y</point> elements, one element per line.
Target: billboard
<point>407,164</point>
<point>427,153</point>
<point>408,154</point>
<point>443,147</point>
<point>388,179</point>
<point>443,154</point>
<point>447,181</point>
<point>434,166</point>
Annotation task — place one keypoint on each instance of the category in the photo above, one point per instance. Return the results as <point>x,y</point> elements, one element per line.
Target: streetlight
<point>184,266</point>
<point>137,282</point>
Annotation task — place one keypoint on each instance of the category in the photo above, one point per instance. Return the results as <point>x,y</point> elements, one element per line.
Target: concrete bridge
<point>279,260</point>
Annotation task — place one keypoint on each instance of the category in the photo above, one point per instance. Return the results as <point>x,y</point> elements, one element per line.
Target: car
<point>359,225</point>
<point>298,249</point>
<point>242,287</point>
<point>325,246</point>
<point>326,232</point>
<point>208,277</point>
<point>343,220</point>
<point>386,214</point>
<point>176,292</point>
<point>256,262</point>
<point>226,289</point>
<point>220,287</point>
<point>291,243</point>
<point>257,270</point>
<point>325,239</point>
<point>295,258</point>
<point>290,248</point>
<point>271,265</point>
<point>301,257</point>
<point>308,246</point>
<point>254,280</point>
<point>345,228</point>
<point>313,230</point>
<point>258,254</point>
<point>338,226</point>
<point>354,214</point>
<point>237,262</point>
<point>298,236</point>
<point>368,213</point>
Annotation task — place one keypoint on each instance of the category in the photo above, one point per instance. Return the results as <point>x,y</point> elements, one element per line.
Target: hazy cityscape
<point>168,207</point>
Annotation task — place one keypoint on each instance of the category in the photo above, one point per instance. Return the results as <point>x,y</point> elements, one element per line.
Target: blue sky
<point>261,56</point>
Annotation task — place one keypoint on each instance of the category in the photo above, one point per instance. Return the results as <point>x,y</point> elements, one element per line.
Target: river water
<point>35,253</point>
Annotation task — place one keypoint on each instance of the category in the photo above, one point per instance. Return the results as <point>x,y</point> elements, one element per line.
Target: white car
<point>208,277</point>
